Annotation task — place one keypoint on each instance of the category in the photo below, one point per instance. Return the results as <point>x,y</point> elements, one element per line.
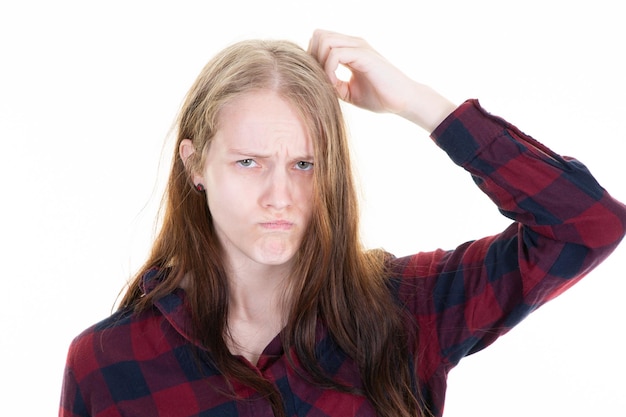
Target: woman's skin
<point>376,85</point>
<point>258,176</point>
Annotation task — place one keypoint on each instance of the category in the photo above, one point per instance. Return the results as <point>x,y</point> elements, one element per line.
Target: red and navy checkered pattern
<point>145,364</point>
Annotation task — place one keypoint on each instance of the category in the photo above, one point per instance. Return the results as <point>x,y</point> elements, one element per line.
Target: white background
<point>88,93</point>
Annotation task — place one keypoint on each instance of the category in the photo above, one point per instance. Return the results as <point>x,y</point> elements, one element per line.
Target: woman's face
<point>258,176</point>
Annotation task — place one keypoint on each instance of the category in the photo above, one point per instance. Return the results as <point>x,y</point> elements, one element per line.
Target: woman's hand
<point>375,83</point>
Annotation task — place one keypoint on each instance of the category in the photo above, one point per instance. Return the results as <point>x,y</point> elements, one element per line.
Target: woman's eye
<point>246,162</point>
<point>304,165</point>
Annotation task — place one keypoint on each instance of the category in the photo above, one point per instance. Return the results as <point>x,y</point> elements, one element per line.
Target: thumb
<point>343,90</point>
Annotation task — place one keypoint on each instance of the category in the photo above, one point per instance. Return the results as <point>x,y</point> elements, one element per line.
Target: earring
<point>200,187</point>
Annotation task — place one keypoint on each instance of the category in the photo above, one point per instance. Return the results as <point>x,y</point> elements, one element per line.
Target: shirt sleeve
<point>72,403</point>
<point>564,225</point>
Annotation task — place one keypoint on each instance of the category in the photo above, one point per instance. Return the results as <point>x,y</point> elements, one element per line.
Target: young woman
<point>258,297</point>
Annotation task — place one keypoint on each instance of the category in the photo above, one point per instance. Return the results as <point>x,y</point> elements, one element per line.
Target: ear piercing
<point>200,187</point>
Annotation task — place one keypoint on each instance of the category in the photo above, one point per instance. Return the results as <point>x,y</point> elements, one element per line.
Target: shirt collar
<point>173,306</point>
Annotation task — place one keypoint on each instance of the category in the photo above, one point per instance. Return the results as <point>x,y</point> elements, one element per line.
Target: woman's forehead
<point>260,119</point>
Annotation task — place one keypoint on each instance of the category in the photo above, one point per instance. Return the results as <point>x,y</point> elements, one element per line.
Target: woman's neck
<point>257,309</point>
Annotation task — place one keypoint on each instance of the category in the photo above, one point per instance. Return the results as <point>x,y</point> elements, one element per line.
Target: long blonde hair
<point>336,281</point>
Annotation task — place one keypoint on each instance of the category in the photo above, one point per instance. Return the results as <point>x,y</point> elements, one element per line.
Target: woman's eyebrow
<point>247,152</point>
<point>261,154</point>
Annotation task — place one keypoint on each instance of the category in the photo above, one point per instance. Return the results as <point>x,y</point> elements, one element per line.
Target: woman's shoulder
<point>119,318</point>
<point>110,340</point>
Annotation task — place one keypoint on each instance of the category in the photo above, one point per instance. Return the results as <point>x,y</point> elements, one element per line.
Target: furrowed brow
<point>247,152</point>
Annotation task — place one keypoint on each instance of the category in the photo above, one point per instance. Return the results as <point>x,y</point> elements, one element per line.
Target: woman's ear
<point>186,150</point>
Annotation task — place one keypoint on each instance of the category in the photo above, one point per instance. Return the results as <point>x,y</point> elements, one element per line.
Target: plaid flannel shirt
<point>145,364</point>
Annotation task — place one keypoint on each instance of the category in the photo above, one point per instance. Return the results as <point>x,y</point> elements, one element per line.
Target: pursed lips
<point>277,225</point>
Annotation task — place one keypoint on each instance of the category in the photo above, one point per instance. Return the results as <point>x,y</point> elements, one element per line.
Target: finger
<point>341,63</point>
<point>343,90</point>
<point>318,46</point>
<point>324,41</point>
<point>354,59</point>
<point>348,58</point>
<point>312,47</point>
<point>315,43</point>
